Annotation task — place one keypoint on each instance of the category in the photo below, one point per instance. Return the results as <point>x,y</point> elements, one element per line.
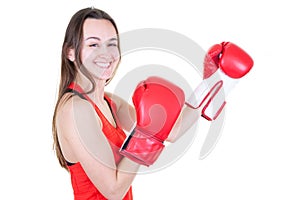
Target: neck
<point>97,95</point>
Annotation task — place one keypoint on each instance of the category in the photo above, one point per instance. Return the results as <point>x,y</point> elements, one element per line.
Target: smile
<point>103,64</point>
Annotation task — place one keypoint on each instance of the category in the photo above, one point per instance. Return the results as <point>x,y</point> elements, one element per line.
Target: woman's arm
<point>82,140</point>
<point>184,122</point>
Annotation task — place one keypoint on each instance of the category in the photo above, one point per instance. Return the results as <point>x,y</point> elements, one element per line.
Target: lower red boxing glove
<point>224,64</point>
<point>158,104</point>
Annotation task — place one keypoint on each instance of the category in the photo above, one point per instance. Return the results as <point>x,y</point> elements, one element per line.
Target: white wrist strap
<point>211,93</point>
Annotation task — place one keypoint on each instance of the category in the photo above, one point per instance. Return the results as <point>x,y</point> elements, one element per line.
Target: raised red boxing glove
<point>224,64</point>
<point>158,104</point>
<point>230,58</point>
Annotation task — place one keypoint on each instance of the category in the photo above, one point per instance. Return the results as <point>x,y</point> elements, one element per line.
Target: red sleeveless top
<point>83,188</point>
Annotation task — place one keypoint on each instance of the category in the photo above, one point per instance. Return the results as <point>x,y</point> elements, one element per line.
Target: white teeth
<point>103,65</point>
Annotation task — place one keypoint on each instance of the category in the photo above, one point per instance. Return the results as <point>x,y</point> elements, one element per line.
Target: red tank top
<point>83,188</point>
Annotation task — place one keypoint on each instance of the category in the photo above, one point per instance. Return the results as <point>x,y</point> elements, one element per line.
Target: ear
<point>71,55</point>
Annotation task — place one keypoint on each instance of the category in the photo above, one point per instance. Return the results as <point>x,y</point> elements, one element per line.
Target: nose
<point>107,51</point>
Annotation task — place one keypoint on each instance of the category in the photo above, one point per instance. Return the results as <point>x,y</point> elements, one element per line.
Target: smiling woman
<point>90,56</point>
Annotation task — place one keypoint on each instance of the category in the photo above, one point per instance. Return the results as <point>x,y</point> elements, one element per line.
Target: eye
<point>112,45</point>
<point>94,45</point>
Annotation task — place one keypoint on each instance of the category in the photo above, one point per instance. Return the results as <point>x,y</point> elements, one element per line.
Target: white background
<point>257,156</point>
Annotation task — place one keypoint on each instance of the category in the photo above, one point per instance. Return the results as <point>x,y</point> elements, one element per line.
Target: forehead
<point>100,28</point>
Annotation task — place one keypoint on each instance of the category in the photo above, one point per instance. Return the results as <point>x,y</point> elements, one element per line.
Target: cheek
<point>115,64</point>
<point>114,53</point>
<point>85,55</point>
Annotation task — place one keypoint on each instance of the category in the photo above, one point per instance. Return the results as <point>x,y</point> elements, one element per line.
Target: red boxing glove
<point>224,64</point>
<point>158,104</point>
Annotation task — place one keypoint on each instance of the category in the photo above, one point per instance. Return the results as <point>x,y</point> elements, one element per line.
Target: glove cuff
<point>141,147</point>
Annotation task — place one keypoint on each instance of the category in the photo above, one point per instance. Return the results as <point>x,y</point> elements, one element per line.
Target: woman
<point>88,123</point>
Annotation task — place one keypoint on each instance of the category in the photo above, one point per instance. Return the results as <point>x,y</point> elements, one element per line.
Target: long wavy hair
<point>73,40</point>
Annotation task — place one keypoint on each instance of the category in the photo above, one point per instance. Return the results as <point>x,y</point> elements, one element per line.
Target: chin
<point>104,78</point>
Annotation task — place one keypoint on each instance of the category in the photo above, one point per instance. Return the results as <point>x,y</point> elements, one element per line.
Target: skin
<point>78,123</point>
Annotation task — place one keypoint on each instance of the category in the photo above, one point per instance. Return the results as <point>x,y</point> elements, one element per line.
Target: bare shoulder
<point>70,104</point>
<point>117,99</point>
<point>125,111</point>
<point>72,109</point>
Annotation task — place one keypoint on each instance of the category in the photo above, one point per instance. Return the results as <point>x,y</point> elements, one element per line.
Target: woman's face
<point>100,52</point>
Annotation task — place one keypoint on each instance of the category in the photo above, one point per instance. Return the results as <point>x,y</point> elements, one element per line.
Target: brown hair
<point>73,40</point>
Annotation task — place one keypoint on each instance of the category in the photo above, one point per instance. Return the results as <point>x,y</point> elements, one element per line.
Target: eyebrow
<point>96,38</point>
